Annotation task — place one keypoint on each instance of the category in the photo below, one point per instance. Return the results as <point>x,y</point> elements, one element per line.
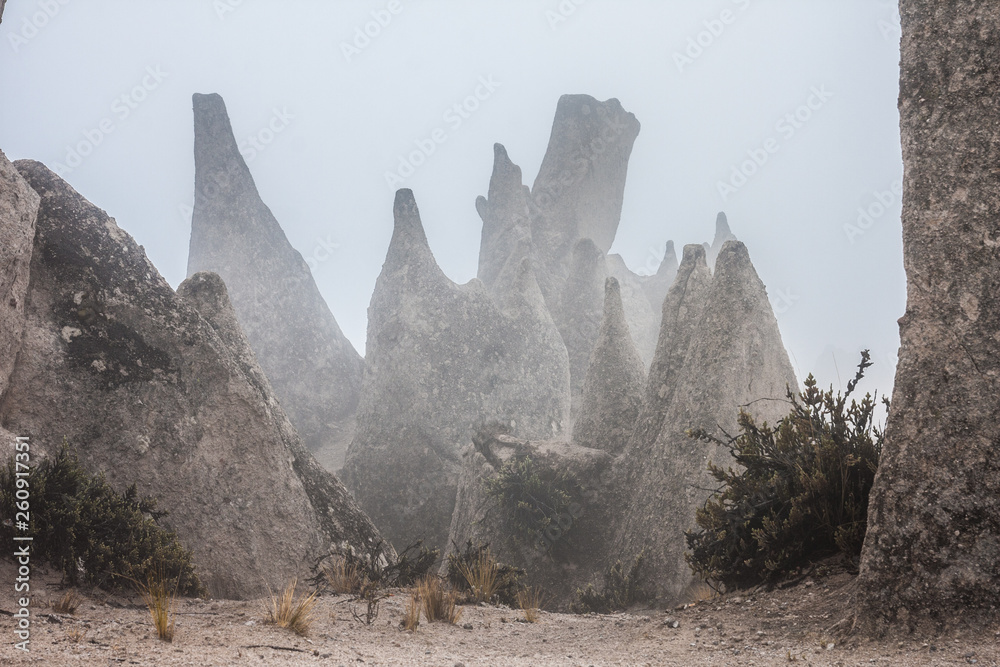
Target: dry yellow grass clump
<point>344,579</point>
<point>67,604</point>
<point>287,612</point>
<point>159,599</point>
<point>482,575</point>
<point>530,602</point>
<point>437,603</point>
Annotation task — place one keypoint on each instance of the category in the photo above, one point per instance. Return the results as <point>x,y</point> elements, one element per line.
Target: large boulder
<point>932,552</point>
<point>734,357</point>
<point>313,368</point>
<point>616,379</point>
<point>152,393</point>
<point>441,358</point>
<point>18,209</point>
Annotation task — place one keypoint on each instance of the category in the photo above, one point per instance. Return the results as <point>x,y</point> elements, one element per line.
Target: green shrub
<point>801,492</point>
<point>532,500</point>
<point>91,533</point>
<point>506,578</point>
<point>621,590</point>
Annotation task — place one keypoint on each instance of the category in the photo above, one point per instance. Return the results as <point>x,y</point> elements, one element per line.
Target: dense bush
<point>93,534</point>
<point>471,559</point>
<point>800,493</point>
<point>532,500</point>
<point>621,590</point>
<point>374,565</point>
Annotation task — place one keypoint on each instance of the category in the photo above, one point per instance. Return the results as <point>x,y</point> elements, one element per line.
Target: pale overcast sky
<point>326,98</point>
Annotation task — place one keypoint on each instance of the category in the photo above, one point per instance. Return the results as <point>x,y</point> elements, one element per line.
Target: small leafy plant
<point>800,492</point>
<point>92,533</point>
<point>622,589</point>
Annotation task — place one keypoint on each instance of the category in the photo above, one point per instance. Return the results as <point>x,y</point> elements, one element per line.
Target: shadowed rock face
<point>18,209</point>
<point>441,358</point>
<point>708,364</point>
<point>932,550</point>
<point>615,381</point>
<point>313,368</point>
<point>152,393</point>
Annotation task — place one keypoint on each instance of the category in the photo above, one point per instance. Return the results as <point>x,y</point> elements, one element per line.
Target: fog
<point>781,113</point>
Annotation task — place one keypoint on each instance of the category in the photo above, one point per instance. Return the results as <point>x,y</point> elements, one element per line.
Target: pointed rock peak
<point>587,108</point>
<point>208,290</point>
<point>614,311</point>
<point>406,219</point>
<point>214,142</point>
<point>669,263</point>
<point>694,255</point>
<point>733,260</point>
<point>506,178</point>
<point>722,226</point>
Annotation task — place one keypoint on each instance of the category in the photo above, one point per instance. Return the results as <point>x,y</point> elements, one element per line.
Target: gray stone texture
<point>18,209</point>
<point>442,358</point>
<point>615,383</point>
<point>148,391</point>
<point>313,368</point>
<point>932,551</point>
<point>708,365</point>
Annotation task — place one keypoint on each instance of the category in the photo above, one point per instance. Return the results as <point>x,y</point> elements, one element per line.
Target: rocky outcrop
<point>578,317</point>
<point>932,551</point>
<point>565,555</point>
<point>615,382</point>
<point>506,236</point>
<point>722,234</point>
<point>708,364</point>
<point>18,209</point>
<point>152,393</point>
<point>657,285</point>
<point>313,368</point>
<point>642,316</point>
<point>442,358</point>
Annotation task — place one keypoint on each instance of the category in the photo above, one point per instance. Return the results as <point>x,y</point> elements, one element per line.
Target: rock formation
<point>153,393</point>
<point>615,382</point>
<point>18,210</point>
<point>643,316</point>
<point>707,365</point>
<point>722,234</point>
<point>657,285</point>
<point>932,550</point>
<point>313,368</point>
<point>442,358</point>
<point>506,237</point>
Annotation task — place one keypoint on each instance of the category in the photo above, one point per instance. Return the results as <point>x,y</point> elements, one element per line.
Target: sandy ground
<point>773,628</point>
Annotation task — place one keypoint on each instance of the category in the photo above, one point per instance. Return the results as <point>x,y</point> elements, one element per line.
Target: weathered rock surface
<point>18,209</point>
<point>642,317</point>
<point>565,556</point>
<point>932,551</point>
<point>150,392</point>
<point>615,382</point>
<point>506,237</point>
<point>442,358</point>
<point>734,355</point>
<point>581,307</point>
<point>312,367</point>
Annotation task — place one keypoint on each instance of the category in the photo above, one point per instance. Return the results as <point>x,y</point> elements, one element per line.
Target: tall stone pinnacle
<point>311,365</point>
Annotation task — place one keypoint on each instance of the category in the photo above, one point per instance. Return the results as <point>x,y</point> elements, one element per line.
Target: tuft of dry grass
<point>344,579</point>
<point>159,598</point>
<point>76,635</point>
<point>68,603</point>
<point>412,618</point>
<point>287,612</point>
<point>482,575</point>
<point>437,603</point>
<point>699,591</point>
<point>530,602</point>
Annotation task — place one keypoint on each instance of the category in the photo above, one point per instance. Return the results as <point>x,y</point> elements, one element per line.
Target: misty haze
<point>528,332</point>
